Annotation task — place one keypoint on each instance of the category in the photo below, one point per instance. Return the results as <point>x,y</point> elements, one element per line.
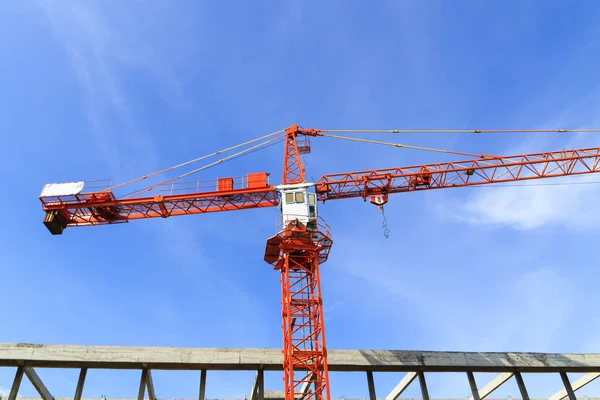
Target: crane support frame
<point>298,252</point>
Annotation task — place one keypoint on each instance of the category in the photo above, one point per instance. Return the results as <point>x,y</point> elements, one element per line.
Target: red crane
<point>303,239</point>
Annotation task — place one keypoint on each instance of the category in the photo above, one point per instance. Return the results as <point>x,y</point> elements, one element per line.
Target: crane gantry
<point>303,239</point>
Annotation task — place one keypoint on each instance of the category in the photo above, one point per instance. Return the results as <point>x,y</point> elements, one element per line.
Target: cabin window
<point>311,199</point>
<point>289,198</point>
<point>299,197</point>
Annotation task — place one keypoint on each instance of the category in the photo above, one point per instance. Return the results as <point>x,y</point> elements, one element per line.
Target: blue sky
<point>97,90</point>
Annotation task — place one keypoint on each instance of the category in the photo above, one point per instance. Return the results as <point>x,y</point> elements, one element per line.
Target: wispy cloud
<point>522,316</point>
<point>124,66</point>
<point>102,48</point>
<point>526,207</point>
<point>562,202</point>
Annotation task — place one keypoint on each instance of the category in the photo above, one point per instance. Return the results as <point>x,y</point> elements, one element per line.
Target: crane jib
<point>459,174</point>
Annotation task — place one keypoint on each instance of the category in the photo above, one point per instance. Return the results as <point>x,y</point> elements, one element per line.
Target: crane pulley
<point>303,239</point>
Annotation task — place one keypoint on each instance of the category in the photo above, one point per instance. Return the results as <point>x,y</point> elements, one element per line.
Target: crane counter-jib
<point>104,208</point>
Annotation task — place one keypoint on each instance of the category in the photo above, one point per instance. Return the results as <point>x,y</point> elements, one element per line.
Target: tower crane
<point>303,240</point>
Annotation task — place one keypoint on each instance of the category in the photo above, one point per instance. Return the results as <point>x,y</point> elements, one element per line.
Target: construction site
<point>95,234</point>
<point>301,245</point>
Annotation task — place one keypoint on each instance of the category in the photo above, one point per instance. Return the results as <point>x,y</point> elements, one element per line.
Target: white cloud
<point>529,207</point>
<point>560,202</point>
<point>4,392</point>
<point>523,317</point>
<point>102,42</point>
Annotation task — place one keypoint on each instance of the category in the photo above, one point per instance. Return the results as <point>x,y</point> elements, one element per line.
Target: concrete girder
<point>170,358</point>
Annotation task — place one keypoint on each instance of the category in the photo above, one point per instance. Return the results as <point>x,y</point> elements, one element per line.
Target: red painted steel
<point>296,143</point>
<point>459,173</point>
<point>298,257</point>
<point>293,170</point>
<point>297,253</point>
<point>104,208</point>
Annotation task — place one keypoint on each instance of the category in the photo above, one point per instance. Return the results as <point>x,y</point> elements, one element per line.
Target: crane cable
<point>406,146</point>
<point>459,130</point>
<point>239,153</point>
<point>195,160</point>
<point>254,148</point>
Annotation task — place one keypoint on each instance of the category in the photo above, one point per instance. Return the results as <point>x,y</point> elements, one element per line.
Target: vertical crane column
<point>304,350</point>
<point>302,243</point>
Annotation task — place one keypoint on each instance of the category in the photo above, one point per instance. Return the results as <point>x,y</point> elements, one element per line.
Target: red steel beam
<point>459,173</point>
<point>103,208</point>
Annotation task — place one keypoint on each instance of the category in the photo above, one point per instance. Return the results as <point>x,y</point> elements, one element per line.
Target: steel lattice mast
<point>297,251</point>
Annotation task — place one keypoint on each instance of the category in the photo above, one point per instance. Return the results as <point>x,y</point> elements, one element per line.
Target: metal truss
<point>458,174</point>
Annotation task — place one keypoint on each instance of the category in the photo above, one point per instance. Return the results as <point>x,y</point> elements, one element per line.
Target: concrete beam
<point>494,384</point>
<point>277,396</point>
<point>171,358</point>
<point>38,384</point>
<point>401,387</point>
<point>578,384</point>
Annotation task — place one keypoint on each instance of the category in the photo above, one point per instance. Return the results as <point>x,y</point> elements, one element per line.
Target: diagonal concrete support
<point>371,383</point>
<point>146,383</point>
<point>473,386</point>
<point>202,394</point>
<point>142,390</point>
<point>150,385</point>
<point>568,387</point>
<point>80,383</point>
<point>423,384</point>
<point>14,390</point>
<point>304,389</point>
<point>401,387</point>
<point>494,384</point>
<point>521,385</point>
<point>38,384</point>
<point>578,384</point>
<point>258,389</point>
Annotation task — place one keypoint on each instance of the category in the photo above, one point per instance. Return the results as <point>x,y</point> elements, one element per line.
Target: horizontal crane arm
<point>101,208</point>
<point>458,174</point>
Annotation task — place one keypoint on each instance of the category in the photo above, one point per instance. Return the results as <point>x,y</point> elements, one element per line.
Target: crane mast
<point>303,240</point>
<point>301,244</point>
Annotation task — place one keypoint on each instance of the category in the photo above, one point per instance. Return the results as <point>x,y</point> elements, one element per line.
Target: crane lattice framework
<point>303,240</point>
<point>416,366</point>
